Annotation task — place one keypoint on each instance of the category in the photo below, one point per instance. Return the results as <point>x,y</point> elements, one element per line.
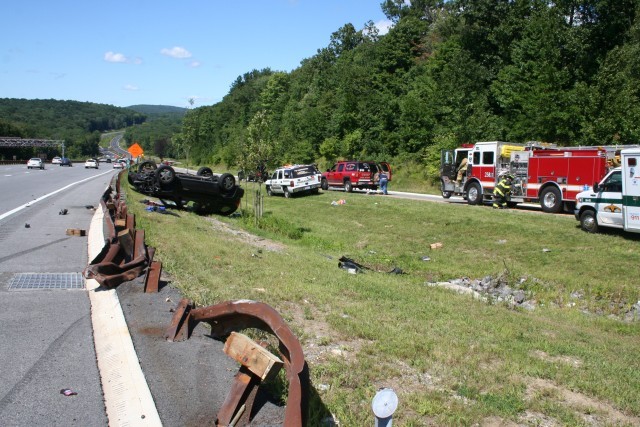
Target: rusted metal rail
<point>231,316</point>
<point>125,256</point>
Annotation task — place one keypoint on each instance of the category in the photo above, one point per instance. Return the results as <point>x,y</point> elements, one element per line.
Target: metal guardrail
<point>125,256</point>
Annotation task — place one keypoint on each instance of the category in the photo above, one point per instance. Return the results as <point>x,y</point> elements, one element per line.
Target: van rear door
<point>631,190</point>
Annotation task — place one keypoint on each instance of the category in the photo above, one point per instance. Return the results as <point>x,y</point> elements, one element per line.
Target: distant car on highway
<point>118,164</point>
<point>35,162</point>
<point>56,160</point>
<point>65,161</point>
<point>91,163</point>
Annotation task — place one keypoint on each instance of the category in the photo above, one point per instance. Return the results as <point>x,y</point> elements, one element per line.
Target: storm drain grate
<point>47,281</point>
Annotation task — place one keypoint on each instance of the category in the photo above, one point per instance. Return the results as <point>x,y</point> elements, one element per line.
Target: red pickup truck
<point>350,174</point>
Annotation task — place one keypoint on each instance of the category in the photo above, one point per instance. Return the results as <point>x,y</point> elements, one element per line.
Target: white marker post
<point>384,404</point>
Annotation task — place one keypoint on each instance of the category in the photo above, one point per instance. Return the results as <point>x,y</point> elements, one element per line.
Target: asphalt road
<point>47,342</point>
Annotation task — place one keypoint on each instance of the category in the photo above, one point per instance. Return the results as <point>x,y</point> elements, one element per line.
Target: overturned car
<point>210,193</point>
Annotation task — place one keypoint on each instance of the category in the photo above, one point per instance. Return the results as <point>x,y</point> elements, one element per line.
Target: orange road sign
<point>135,150</point>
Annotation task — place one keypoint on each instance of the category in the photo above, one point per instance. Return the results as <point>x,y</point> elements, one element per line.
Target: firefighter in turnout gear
<point>501,192</point>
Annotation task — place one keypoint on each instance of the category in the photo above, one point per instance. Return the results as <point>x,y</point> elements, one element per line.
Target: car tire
<point>226,182</point>
<point>269,192</point>
<point>589,221</point>
<point>287,193</point>
<point>147,166</point>
<point>324,184</point>
<point>165,176</point>
<point>205,171</point>
<point>348,187</point>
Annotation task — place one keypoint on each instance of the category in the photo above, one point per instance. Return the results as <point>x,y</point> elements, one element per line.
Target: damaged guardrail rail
<point>125,256</point>
<point>256,364</point>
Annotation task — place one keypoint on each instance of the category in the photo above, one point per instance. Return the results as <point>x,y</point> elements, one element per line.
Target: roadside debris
<point>436,245</point>
<point>256,362</point>
<point>68,392</point>
<point>76,232</point>
<point>354,268</point>
<point>63,212</point>
<point>339,202</point>
<point>27,225</point>
<point>489,288</point>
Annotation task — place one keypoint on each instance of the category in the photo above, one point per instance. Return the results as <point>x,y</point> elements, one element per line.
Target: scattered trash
<point>76,232</point>
<point>27,225</point>
<point>255,256</point>
<point>89,207</point>
<point>396,270</point>
<point>426,258</point>
<point>339,202</point>
<point>436,245</point>
<point>68,392</point>
<point>501,242</point>
<point>63,212</point>
<point>546,250</point>
<point>350,265</point>
<point>167,299</point>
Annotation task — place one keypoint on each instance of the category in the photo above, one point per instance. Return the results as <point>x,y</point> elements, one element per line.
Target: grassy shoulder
<point>451,359</point>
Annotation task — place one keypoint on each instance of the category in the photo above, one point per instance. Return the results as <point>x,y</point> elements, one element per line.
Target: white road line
<point>26,205</point>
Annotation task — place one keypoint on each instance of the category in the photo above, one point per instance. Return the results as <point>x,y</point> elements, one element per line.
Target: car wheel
<point>227,182</point>
<point>324,184</point>
<point>551,200</point>
<point>347,186</point>
<point>269,192</point>
<point>474,194</point>
<point>287,194</point>
<point>589,221</point>
<point>165,175</point>
<point>147,166</point>
<point>205,171</point>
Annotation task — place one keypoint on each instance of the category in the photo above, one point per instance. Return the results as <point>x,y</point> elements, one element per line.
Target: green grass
<point>452,360</point>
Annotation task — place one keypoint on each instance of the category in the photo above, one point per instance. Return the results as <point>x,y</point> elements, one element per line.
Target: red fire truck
<point>546,174</point>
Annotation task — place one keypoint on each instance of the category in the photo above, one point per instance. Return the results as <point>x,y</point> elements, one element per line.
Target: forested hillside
<point>154,135</point>
<point>564,71</point>
<point>79,124</point>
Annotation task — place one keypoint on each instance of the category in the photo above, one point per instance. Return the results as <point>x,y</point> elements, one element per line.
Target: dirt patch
<point>567,360</point>
<point>592,411</point>
<point>243,236</point>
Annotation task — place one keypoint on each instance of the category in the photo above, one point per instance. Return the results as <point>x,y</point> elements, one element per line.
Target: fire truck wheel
<point>588,221</point>
<point>474,194</point>
<point>551,200</point>
<point>445,194</point>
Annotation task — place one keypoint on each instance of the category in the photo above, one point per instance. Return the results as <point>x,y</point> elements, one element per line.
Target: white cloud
<point>176,52</point>
<point>130,87</point>
<point>114,57</point>
<point>195,64</point>
<point>384,26</point>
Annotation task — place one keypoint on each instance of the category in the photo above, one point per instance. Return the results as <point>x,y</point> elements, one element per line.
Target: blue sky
<point>158,51</point>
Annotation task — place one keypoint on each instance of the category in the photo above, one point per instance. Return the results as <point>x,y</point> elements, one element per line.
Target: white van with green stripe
<point>614,201</point>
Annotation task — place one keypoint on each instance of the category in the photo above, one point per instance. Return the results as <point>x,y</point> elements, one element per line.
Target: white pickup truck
<point>614,201</point>
<point>290,180</point>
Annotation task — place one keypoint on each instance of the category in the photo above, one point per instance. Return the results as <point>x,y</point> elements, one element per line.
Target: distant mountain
<point>158,109</point>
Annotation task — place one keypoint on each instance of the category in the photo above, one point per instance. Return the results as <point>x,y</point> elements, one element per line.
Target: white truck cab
<point>614,201</point>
